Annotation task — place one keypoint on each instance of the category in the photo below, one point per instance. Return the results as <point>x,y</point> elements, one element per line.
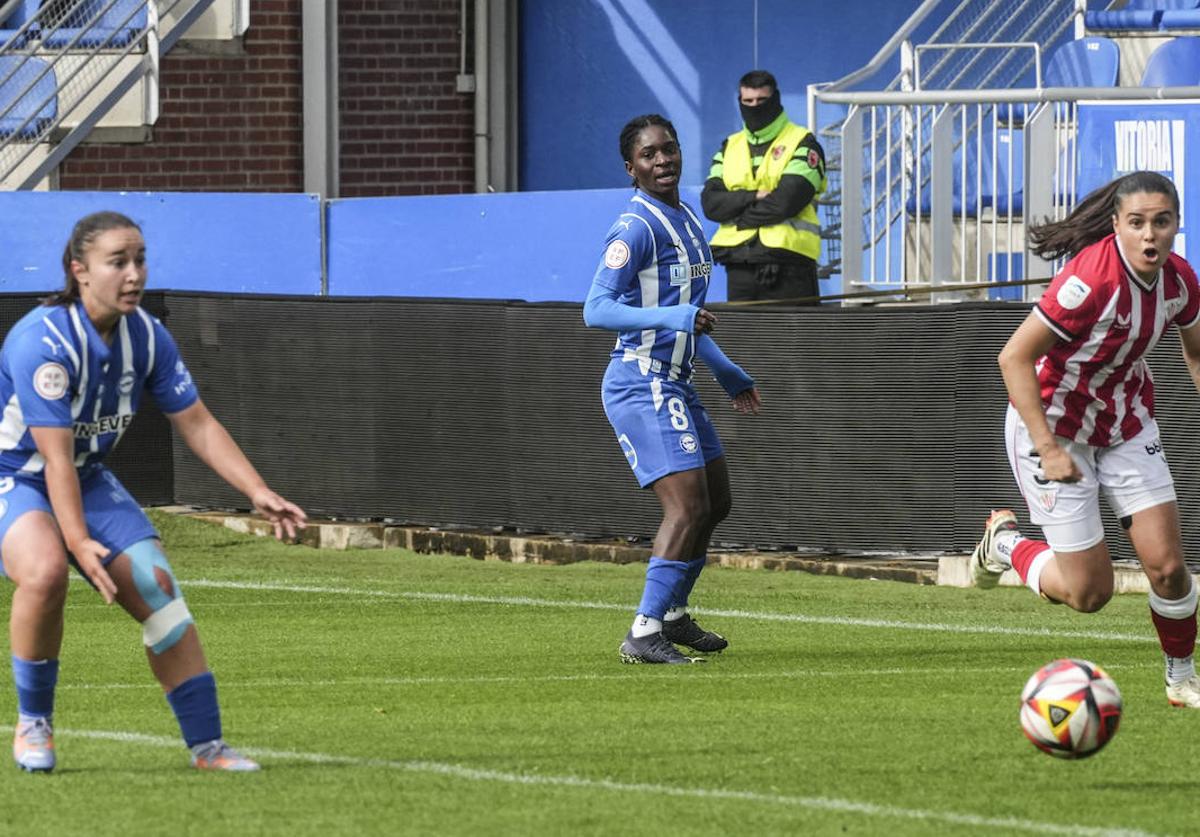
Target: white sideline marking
<point>526,601</point>
<point>483,679</point>
<point>820,803</point>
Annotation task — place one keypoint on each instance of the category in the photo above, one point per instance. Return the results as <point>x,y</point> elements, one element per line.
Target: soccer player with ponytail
<point>1081,414</point>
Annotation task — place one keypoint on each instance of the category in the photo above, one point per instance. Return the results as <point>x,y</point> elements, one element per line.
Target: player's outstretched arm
<point>210,441</point>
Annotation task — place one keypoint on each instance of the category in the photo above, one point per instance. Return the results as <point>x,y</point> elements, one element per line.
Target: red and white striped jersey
<point>1096,386</point>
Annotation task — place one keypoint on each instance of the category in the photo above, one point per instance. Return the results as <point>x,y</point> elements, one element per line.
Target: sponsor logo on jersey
<point>50,381</point>
<point>617,255</point>
<point>102,425</point>
<point>681,273</point>
<point>1072,293</point>
<point>687,443</point>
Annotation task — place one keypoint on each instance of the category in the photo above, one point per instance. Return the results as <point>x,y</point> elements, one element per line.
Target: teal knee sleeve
<point>169,615</point>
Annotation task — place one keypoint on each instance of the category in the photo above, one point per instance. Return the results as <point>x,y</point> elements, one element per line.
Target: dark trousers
<point>788,281</point>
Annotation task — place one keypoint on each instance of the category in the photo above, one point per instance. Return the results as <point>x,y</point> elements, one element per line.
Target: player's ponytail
<point>85,232</point>
<point>1092,219</point>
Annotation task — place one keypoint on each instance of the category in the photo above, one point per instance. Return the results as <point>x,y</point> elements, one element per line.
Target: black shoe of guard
<point>652,649</point>
<point>686,631</point>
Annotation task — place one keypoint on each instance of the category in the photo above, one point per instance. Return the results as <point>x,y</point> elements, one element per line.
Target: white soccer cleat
<point>217,755</point>
<point>987,564</point>
<point>33,746</point>
<point>1185,694</point>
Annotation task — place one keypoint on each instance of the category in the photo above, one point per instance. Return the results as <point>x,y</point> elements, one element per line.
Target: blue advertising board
<point>1117,138</point>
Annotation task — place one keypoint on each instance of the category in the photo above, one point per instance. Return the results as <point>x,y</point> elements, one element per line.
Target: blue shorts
<point>661,425</point>
<point>113,517</point>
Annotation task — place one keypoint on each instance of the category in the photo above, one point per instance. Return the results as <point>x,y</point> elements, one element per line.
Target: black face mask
<point>761,115</point>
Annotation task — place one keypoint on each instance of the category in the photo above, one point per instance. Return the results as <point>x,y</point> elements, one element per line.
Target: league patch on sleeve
<point>1072,293</point>
<point>50,381</point>
<point>814,159</point>
<point>617,255</point>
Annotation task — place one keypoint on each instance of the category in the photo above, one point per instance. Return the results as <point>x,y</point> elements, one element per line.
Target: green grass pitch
<point>391,693</point>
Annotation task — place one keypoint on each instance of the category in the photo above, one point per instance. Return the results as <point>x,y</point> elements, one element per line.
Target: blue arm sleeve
<point>602,310</point>
<point>732,378</point>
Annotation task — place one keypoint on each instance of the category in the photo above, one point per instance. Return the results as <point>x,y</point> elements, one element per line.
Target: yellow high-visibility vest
<point>799,234</point>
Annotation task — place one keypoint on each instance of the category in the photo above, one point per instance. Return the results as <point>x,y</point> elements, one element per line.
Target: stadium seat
<point>1184,14</point>
<point>11,36</point>
<point>1136,15</point>
<point>979,167</point>
<point>99,24</point>
<point>1174,64</point>
<point>1085,62</point>
<point>22,93</point>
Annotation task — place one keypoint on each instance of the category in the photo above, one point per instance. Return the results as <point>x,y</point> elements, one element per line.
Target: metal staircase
<point>70,66</point>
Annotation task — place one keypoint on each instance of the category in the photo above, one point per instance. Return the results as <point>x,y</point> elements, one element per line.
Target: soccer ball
<point>1070,708</point>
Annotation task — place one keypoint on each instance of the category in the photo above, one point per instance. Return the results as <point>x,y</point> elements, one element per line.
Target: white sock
<point>675,613</point>
<point>645,626</point>
<point>1005,542</point>
<point>1179,668</point>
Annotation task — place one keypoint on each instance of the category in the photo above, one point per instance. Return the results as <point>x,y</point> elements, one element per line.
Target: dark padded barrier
<point>143,458</point>
<point>882,429</point>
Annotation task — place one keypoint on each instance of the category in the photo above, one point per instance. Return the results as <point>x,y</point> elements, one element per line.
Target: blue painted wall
<point>242,243</point>
<point>536,246</point>
<point>588,66</point>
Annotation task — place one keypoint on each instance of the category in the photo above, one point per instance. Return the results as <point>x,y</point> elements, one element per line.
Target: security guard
<point>761,189</point>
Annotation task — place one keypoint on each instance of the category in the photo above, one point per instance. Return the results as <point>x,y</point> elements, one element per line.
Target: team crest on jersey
<point>777,152</point>
<point>125,385</point>
<point>50,381</point>
<point>617,255</point>
<point>687,443</point>
<point>628,449</point>
<point>1048,498</point>
<point>1072,293</point>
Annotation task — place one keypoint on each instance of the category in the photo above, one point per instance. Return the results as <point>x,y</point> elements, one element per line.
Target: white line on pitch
<point>525,601</point>
<point>817,803</point>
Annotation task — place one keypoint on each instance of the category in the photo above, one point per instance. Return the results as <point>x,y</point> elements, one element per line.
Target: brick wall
<point>234,123</point>
<point>404,129</point>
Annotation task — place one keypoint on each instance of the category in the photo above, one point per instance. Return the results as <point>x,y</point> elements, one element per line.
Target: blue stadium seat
<point>1181,14</point>
<point>982,161</point>
<point>1174,64</point>
<point>22,94</point>
<point>106,29</point>
<point>11,36</point>
<point>1085,62</point>
<point>1137,14</point>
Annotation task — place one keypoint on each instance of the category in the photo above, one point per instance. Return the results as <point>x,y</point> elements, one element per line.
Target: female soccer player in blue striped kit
<point>650,288</point>
<point>72,373</point>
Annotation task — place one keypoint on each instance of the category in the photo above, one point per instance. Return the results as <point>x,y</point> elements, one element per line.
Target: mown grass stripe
<point>819,803</point>
<point>798,618</point>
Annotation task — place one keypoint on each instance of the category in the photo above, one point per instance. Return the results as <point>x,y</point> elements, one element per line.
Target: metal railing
<point>72,62</point>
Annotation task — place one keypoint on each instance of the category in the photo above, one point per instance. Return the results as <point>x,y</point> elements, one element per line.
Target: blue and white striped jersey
<point>654,256</point>
<point>56,371</point>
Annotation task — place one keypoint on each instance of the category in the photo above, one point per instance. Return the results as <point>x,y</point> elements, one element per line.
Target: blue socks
<point>663,578</point>
<point>35,681</point>
<point>194,702</point>
<point>690,575</point>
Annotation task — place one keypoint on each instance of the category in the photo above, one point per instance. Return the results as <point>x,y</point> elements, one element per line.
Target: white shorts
<point>1133,474</point>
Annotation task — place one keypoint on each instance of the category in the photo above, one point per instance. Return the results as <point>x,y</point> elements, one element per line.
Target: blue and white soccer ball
<point>1070,708</point>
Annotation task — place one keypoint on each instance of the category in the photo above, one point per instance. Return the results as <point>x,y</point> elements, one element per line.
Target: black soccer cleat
<point>652,649</point>
<point>685,631</point>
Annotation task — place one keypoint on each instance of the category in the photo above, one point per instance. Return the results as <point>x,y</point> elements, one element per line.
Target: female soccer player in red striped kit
<point>1081,414</point>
